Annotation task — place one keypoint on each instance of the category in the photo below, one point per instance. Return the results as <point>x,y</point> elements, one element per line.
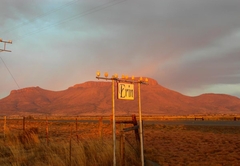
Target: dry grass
<point>65,146</point>
<point>193,145</point>
<point>29,150</point>
<point>168,145</point>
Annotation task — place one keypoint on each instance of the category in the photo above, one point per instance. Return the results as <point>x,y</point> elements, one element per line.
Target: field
<point>193,145</point>
<point>69,142</point>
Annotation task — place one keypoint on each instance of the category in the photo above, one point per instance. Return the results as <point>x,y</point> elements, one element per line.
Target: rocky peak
<point>91,84</point>
<point>27,90</point>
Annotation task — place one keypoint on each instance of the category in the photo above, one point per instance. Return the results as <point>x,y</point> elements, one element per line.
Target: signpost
<point>125,91</point>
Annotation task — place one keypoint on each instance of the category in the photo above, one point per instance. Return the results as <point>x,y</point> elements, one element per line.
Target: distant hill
<point>95,98</point>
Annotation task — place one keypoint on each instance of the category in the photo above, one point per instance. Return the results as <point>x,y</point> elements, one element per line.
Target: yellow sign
<point>125,91</point>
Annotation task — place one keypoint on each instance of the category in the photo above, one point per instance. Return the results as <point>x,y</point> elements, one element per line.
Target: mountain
<point>95,98</point>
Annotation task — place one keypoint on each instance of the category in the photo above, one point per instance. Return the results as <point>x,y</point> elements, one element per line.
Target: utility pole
<point>113,78</point>
<point>1,50</point>
<point>5,42</point>
<point>139,82</point>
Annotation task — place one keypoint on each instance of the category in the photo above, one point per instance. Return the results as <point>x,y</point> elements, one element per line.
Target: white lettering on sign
<point>125,91</point>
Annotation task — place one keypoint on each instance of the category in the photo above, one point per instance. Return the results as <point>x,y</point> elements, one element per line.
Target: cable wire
<point>39,16</point>
<point>10,73</point>
<point>90,11</point>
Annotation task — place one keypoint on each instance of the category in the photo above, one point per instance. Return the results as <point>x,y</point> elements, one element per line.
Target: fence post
<point>24,123</point>
<point>77,129</point>
<point>122,145</point>
<point>4,126</point>
<point>70,148</point>
<point>100,127</point>
<point>134,119</point>
<point>47,131</point>
<point>111,120</point>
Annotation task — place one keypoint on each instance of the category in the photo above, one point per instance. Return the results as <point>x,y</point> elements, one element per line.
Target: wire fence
<point>71,132</point>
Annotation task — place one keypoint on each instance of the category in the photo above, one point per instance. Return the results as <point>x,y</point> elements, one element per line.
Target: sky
<point>189,46</point>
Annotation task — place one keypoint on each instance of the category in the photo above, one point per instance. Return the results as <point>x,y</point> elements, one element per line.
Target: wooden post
<point>140,123</point>
<point>100,128</point>
<point>142,133</point>
<point>122,145</point>
<point>134,119</point>
<point>76,125</point>
<point>70,148</point>
<point>4,126</point>
<point>111,120</point>
<point>24,123</point>
<point>47,131</point>
<point>77,129</point>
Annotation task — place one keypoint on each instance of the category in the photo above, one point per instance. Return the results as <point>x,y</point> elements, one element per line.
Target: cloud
<point>187,46</point>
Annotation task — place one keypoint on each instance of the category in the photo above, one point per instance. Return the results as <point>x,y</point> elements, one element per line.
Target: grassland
<point>193,145</point>
<point>69,143</point>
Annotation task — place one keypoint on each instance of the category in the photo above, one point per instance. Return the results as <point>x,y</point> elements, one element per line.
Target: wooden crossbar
<point>125,121</point>
<point>131,128</point>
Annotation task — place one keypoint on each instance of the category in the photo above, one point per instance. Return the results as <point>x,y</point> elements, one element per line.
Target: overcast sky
<point>189,46</point>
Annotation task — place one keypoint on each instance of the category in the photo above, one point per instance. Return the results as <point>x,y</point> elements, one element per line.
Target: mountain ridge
<point>95,98</point>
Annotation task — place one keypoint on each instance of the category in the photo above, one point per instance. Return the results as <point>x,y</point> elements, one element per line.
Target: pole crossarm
<point>123,80</point>
<point>105,78</point>
<point>5,42</point>
<point>1,50</point>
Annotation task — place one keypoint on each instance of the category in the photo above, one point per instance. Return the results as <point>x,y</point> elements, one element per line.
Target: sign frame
<point>125,91</point>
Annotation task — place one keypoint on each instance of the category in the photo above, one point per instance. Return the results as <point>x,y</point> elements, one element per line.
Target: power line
<point>13,78</point>
<point>39,16</point>
<point>88,12</point>
<point>10,73</point>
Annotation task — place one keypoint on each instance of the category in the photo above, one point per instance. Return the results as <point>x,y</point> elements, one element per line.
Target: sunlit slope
<point>95,98</point>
